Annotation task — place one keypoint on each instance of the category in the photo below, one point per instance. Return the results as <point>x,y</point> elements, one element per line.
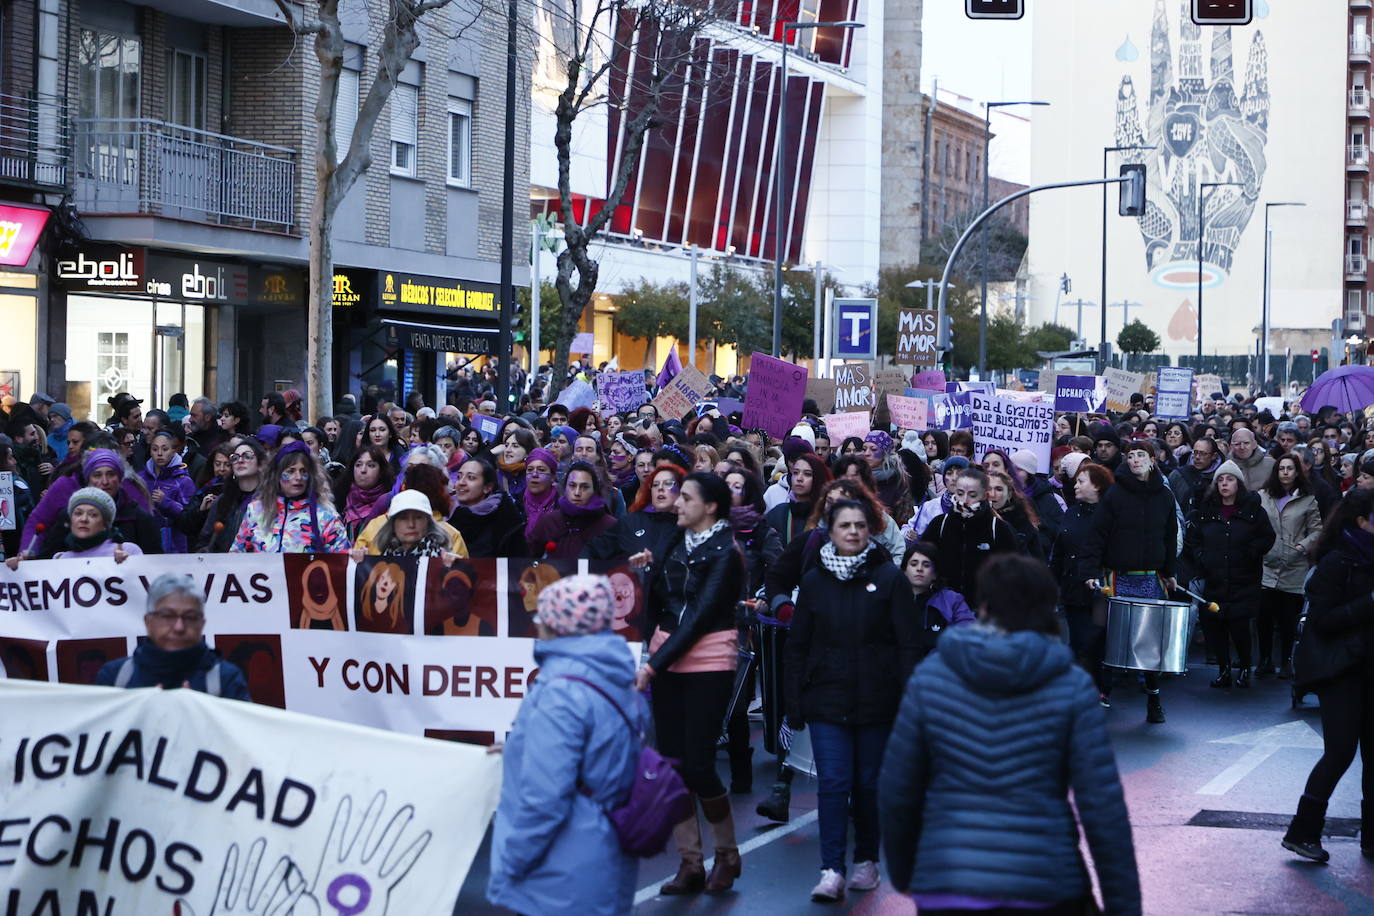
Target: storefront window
<point>151,350</point>
<point>17,348</point>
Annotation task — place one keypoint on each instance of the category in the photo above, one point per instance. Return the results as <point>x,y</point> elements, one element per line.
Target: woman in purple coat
<point>938,607</point>
<point>170,487</point>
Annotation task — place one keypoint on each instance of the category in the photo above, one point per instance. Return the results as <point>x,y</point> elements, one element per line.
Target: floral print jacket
<point>290,531</point>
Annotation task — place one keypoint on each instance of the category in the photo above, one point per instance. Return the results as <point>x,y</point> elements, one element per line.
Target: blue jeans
<point>848,759</point>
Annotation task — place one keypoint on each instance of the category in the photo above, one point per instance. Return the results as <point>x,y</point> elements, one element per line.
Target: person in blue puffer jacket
<point>995,730</point>
<point>569,759</point>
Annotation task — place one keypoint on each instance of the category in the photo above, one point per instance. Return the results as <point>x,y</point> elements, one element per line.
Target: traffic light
<point>995,9</point>
<point>946,339</point>
<point>517,321</point>
<point>1132,190</point>
<point>1223,12</point>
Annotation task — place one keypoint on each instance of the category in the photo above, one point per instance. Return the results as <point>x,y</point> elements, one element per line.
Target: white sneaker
<point>830,888</point>
<point>865,876</point>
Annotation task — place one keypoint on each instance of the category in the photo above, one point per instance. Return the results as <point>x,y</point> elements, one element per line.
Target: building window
<point>109,75</point>
<point>459,142</point>
<point>346,110</point>
<point>186,89</point>
<point>405,128</point>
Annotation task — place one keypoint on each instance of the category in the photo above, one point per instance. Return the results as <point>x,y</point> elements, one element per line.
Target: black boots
<point>775,806</point>
<point>1243,677</point>
<point>1154,710</point>
<point>1224,678</point>
<point>1304,835</point>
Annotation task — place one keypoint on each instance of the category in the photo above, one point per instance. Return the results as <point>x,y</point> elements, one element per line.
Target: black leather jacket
<point>695,595</point>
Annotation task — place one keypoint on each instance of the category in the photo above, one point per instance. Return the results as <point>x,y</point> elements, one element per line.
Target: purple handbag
<point>658,797</point>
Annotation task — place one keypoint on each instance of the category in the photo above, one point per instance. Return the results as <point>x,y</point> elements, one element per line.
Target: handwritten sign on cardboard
<point>774,399</point>
<point>916,335</point>
<point>854,387</point>
<point>1012,425</point>
<point>1120,386</point>
<point>686,389</point>
<point>907,413</point>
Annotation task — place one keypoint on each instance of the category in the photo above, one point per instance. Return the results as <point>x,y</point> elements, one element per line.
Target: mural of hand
<point>1201,132</point>
<point>362,864</point>
<point>240,892</point>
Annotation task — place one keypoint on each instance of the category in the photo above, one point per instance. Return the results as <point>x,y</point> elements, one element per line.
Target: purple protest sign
<point>933,379</point>
<point>774,399</point>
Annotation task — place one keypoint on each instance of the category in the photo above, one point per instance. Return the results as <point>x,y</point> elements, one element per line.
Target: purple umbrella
<point>1345,388</point>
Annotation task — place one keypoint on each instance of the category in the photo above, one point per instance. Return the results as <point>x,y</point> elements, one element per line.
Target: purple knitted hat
<point>101,458</point>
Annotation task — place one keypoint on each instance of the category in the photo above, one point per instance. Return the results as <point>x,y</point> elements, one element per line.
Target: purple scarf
<point>582,515</point>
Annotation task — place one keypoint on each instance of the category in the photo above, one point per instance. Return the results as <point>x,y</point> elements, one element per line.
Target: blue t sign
<point>995,9</point>
<point>856,325</point>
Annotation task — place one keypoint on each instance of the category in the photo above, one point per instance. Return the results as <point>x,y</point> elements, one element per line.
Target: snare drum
<point>1147,634</point>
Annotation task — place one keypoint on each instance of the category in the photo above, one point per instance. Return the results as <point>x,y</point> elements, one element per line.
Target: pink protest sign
<point>907,413</point>
<point>774,399</point>
<point>934,379</point>
<point>843,425</point>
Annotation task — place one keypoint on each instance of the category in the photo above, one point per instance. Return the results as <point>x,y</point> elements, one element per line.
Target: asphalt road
<point>1209,793</point>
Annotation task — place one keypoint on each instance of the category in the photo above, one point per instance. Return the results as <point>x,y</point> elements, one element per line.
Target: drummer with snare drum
<point>1132,545</point>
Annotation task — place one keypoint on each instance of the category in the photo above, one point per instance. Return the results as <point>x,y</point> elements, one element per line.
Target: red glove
<point>785,612</point>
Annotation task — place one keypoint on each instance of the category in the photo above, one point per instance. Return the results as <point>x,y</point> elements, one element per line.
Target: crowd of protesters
<point>861,558</point>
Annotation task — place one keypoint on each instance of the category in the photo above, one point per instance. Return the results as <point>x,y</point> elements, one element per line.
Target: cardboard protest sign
<point>7,510</point>
<point>1174,392</point>
<point>1120,386</point>
<point>907,413</point>
<point>622,391</point>
<point>932,379</point>
<point>774,399</point>
<point>916,336</point>
<point>843,425</point>
<point>950,411</point>
<point>1208,384</point>
<point>1011,425</point>
<point>854,387</point>
<point>199,805</point>
<point>822,391</point>
<point>1079,393</point>
<point>402,643</point>
<point>1148,383</point>
<point>683,392</point>
<point>890,381</point>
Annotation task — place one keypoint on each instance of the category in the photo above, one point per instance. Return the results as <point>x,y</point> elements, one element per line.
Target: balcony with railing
<point>35,141</point>
<point>1359,48</point>
<point>146,166</point>
<point>1357,157</point>
<point>1354,267</point>
<point>1357,103</point>
<point>1356,212</point>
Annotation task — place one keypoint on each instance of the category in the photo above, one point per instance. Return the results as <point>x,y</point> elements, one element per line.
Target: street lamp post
<point>1102,346</point>
<point>779,246</point>
<point>1201,226</point>
<point>1268,286</point>
<point>983,236</point>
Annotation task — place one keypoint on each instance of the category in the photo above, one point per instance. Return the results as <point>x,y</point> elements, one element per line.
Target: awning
<point>408,335</point>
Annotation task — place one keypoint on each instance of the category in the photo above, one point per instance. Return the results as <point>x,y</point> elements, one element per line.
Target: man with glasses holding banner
<point>175,653</point>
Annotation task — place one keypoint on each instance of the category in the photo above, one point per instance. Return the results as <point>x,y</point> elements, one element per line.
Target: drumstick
<point>1209,605</point>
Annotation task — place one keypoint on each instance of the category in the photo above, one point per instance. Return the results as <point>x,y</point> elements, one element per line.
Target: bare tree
<point>334,178</point>
<point>637,57</point>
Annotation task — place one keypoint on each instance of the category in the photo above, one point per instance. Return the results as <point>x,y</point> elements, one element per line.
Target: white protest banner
<point>1120,386</point>
<point>682,394</point>
<point>916,329</point>
<point>1173,392</point>
<point>405,644</point>
<point>622,391</point>
<point>843,425</point>
<point>7,511</point>
<point>577,394</point>
<point>171,801</point>
<point>854,387</point>
<point>1011,425</point>
<point>1272,404</point>
<point>907,413</point>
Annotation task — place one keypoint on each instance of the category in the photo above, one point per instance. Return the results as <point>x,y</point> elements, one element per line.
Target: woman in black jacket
<point>1084,611</point>
<point>1133,543</point>
<point>651,523</point>
<point>225,515</point>
<point>693,652</point>
<point>490,522</point>
<point>1226,538</point>
<point>855,639</point>
<point>805,478</point>
<point>1333,658</point>
<point>1013,508</point>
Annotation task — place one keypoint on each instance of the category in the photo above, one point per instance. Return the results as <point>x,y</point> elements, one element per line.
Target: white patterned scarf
<point>844,568</point>
<point>694,539</point>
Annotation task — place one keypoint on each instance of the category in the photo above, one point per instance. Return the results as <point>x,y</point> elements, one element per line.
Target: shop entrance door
<point>169,362</point>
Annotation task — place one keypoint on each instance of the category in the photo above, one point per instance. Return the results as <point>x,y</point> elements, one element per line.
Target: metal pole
<point>504,345</point>
<point>777,203</point>
<point>535,283</point>
<point>692,312</point>
<point>1268,291</point>
<point>982,217</point>
<point>1102,345</point>
<point>827,342</point>
<point>983,252</point>
<point>1201,192</point>
<point>816,317</point>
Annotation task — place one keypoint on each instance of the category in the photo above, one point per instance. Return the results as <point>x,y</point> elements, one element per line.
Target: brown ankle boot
<point>727,865</point>
<point>691,873</point>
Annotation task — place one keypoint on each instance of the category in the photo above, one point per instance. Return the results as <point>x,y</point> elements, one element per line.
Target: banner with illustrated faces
<point>174,802</point>
<point>401,643</point>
